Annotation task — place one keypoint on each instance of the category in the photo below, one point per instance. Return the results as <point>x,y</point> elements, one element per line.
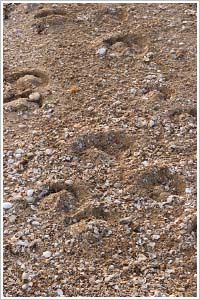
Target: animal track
<point>160,176</point>
<point>191,110</point>
<point>27,78</point>
<point>20,104</point>
<point>134,42</point>
<point>60,201</point>
<point>49,17</point>
<point>73,200</point>
<point>60,196</point>
<point>90,232</point>
<point>121,44</point>
<point>128,39</point>
<point>108,13</point>
<point>49,12</point>
<point>19,85</point>
<point>98,157</point>
<point>89,210</point>
<point>8,8</point>
<point>111,142</point>
<point>105,15</point>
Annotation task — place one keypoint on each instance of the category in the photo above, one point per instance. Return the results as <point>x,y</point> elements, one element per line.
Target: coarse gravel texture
<point>100,150</point>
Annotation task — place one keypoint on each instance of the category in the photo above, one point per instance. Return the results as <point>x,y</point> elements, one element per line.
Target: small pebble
<point>109,232</point>
<point>151,123</point>
<point>170,199</point>
<point>92,269</point>
<point>108,278</point>
<point>29,199</point>
<point>133,91</point>
<point>60,292</point>
<point>24,276</point>
<point>11,161</point>
<point>19,151</point>
<point>145,163</point>
<point>127,220</point>
<point>144,91</point>
<point>30,155</point>
<point>117,185</point>
<point>7,205</point>
<point>158,294</point>
<point>90,108</point>
<point>35,223</point>
<point>173,146</point>
<point>46,236</point>
<point>111,268</point>
<point>25,286</point>
<point>102,51</point>
<point>34,96</point>
<point>48,151</point>
<point>152,244</point>
<point>69,182</point>
<point>21,125</point>
<point>141,257</point>
<point>155,236</point>
<point>12,219</point>
<point>46,254</point>
<point>30,193</point>
<point>188,190</point>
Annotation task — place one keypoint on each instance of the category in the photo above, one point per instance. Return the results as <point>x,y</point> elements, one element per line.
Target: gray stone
<point>127,220</point>
<point>188,190</point>
<point>60,292</point>
<point>7,205</point>
<point>30,193</point>
<point>34,97</point>
<point>29,199</point>
<point>35,223</point>
<point>25,276</point>
<point>11,161</point>
<point>48,151</point>
<point>46,254</point>
<point>102,51</point>
<point>19,151</point>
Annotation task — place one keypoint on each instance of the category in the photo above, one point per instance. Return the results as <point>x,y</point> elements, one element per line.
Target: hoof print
<point>160,176</point>
<point>123,44</point>
<point>61,196</point>
<point>47,18</point>
<point>111,142</point>
<point>49,12</point>
<point>20,104</point>
<point>60,201</point>
<point>21,88</point>
<point>193,225</point>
